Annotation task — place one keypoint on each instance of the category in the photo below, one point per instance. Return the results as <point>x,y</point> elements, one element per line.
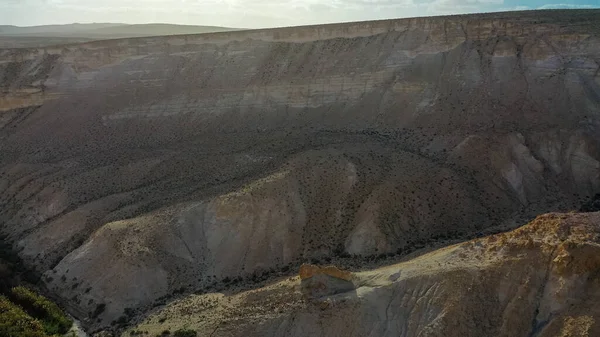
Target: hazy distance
<point>252,13</point>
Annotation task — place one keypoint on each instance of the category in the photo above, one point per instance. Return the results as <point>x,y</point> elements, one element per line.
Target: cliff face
<point>132,168</point>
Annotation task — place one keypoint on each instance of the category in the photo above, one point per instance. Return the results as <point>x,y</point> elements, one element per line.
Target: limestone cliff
<point>132,169</point>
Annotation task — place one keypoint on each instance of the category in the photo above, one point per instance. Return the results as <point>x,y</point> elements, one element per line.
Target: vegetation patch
<point>23,313</point>
<point>52,318</point>
<point>185,333</point>
<point>14,321</point>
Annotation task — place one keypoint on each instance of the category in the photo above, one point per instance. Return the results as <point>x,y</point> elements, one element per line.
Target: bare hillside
<point>135,170</point>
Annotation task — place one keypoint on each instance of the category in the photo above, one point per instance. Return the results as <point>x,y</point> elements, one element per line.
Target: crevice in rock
<point>538,325</point>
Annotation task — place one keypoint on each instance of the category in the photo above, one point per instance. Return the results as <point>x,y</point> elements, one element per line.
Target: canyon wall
<point>133,168</point>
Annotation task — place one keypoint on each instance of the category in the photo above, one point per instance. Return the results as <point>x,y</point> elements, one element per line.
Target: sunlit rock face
<point>132,168</point>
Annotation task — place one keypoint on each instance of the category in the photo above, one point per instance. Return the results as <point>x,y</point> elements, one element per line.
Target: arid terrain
<point>159,183</point>
<point>539,280</point>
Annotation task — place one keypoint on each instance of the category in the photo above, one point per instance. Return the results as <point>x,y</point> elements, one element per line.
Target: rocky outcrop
<point>308,271</point>
<point>318,281</point>
<point>539,280</point>
<point>132,169</point>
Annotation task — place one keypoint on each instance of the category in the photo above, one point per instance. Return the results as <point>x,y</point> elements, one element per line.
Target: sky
<point>252,13</point>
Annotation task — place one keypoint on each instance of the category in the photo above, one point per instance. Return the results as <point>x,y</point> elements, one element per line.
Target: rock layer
<point>134,168</point>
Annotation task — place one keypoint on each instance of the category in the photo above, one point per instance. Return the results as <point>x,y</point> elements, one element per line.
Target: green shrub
<point>52,317</point>
<point>185,333</point>
<point>16,322</point>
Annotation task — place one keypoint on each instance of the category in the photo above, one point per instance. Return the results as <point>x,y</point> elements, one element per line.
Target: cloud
<point>567,6</point>
<point>462,6</point>
<point>516,8</point>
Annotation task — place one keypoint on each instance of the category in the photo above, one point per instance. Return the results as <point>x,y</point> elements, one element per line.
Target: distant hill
<point>55,29</point>
<point>151,30</point>
<point>25,41</point>
<point>37,36</point>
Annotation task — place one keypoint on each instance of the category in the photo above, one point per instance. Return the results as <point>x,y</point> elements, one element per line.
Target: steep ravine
<point>137,168</point>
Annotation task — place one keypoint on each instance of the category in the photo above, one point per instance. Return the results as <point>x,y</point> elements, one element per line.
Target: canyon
<point>138,171</point>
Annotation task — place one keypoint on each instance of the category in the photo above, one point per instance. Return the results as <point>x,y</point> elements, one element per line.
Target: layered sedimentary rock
<point>133,168</point>
<point>539,280</point>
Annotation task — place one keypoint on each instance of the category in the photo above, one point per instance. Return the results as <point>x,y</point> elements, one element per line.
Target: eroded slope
<point>132,169</point>
<point>539,280</point>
